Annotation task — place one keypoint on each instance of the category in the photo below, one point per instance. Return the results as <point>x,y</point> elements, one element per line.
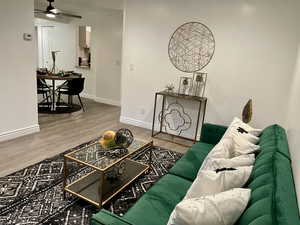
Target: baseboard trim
<point>107,101</point>
<point>134,122</point>
<point>85,95</point>
<point>101,100</point>
<point>19,132</point>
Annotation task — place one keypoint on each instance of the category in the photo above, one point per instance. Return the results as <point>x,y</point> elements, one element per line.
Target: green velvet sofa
<point>273,199</point>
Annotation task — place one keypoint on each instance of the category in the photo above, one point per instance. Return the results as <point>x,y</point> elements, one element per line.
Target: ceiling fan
<point>52,12</point>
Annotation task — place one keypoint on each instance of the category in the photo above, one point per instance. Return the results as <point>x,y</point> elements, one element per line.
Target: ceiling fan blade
<point>69,15</point>
<point>55,11</point>
<point>52,10</point>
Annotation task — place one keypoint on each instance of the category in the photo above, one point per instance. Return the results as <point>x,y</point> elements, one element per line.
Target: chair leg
<point>43,96</point>
<point>70,100</point>
<point>81,103</point>
<point>47,100</point>
<point>58,97</point>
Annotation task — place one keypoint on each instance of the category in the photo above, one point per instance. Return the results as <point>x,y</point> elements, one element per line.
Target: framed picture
<point>199,84</point>
<point>185,86</point>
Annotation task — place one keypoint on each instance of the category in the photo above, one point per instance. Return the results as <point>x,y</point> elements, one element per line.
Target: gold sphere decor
<point>108,139</point>
<point>116,143</point>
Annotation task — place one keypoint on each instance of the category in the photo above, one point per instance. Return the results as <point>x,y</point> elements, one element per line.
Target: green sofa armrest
<point>212,133</point>
<point>105,217</point>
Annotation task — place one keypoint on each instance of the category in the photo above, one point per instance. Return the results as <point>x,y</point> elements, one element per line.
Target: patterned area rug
<point>34,195</point>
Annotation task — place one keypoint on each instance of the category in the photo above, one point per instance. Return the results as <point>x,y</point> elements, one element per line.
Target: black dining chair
<point>43,89</point>
<point>74,87</point>
<point>65,84</point>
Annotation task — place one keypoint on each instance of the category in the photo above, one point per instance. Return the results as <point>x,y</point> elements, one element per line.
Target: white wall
<point>103,80</point>
<point>293,120</point>
<point>109,58</point>
<point>17,65</point>
<point>254,58</point>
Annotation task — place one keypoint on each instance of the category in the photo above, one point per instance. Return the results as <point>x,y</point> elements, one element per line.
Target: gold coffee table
<point>110,174</point>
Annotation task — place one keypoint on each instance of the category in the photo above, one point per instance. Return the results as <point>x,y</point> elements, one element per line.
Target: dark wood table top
<point>176,95</point>
<point>56,77</point>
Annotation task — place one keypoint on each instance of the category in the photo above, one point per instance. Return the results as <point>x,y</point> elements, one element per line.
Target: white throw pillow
<point>221,209</point>
<point>233,132</point>
<point>217,163</point>
<point>245,128</point>
<point>224,149</point>
<point>242,146</point>
<point>210,182</point>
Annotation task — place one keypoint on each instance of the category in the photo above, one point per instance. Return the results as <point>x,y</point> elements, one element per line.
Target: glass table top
<point>96,156</point>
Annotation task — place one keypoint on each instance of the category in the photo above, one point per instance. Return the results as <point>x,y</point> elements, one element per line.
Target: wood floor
<point>62,132</point>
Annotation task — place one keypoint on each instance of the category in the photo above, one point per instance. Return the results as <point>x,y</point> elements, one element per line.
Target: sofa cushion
<point>211,133</point>
<point>223,208</point>
<point>273,200</point>
<point>274,138</point>
<point>156,205</point>
<point>187,167</point>
<point>209,182</point>
<point>219,163</point>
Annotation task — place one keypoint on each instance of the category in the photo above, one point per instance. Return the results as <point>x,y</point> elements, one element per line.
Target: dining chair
<point>65,84</point>
<point>73,87</point>
<point>43,89</point>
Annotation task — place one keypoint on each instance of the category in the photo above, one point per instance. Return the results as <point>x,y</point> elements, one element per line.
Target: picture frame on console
<point>185,86</point>
<point>199,84</point>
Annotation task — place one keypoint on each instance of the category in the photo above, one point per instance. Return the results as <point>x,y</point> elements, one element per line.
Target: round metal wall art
<point>191,47</point>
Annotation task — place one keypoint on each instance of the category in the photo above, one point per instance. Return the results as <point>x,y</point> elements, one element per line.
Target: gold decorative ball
<point>108,139</point>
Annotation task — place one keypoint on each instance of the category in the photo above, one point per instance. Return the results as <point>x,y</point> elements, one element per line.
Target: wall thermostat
<point>27,37</point>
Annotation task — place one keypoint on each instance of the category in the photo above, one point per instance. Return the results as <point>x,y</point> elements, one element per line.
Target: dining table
<point>53,78</point>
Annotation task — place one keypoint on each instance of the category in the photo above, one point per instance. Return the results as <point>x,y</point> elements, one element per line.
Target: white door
<point>45,45</point>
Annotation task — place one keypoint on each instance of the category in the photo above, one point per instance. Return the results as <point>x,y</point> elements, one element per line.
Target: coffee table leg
<point>66,174</point>
<point>100,191</point>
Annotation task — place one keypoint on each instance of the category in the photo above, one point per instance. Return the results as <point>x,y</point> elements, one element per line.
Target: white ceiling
<point>77,5</point>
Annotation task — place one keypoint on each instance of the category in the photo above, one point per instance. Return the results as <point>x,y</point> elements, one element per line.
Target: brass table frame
<point>202,106</point>
<point>147,148</point>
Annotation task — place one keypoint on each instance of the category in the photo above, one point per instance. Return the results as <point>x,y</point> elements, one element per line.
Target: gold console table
<point>200,107</point>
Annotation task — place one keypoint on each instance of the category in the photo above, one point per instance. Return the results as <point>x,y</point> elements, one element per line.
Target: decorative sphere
<point>124,138</point>
<point>108,139</point>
